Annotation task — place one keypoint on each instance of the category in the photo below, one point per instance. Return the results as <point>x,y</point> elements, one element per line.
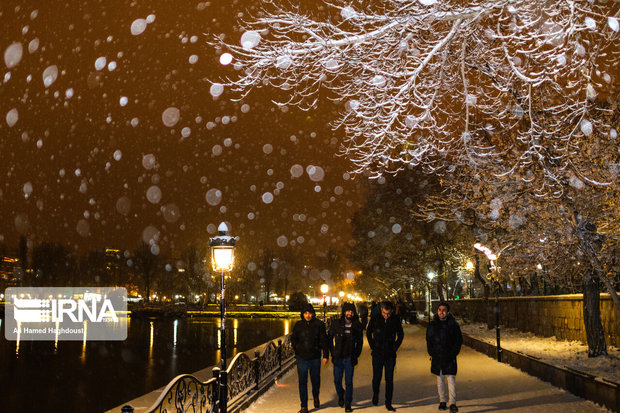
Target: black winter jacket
<point>443,342</point>
<point>336,338</point>
<point>384,336</point>
<point>309,338</point>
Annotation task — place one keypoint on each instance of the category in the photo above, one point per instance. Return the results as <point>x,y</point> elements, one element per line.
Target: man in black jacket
<point>443,342</point>
<point>345,340</point>
<point>385,335</point>
<point>309,340</point>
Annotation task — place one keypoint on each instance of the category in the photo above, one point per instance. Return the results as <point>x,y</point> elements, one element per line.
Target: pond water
<point>95,376</point>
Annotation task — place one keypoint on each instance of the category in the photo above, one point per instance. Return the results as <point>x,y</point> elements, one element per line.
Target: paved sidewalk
<point>483,385</point>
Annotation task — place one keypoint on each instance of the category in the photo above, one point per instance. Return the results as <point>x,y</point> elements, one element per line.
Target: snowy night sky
<point>111,133</point>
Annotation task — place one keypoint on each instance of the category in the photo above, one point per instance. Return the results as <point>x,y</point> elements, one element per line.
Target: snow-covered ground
<point>561,353</point>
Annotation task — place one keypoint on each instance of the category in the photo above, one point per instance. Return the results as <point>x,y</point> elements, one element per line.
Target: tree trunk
<point>592,315</point>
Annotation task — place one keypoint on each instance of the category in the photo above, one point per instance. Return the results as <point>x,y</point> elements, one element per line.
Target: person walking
<point>385,335</point>
<point>346,341</point>
<point>309,340</point>
<point>443,342</point>
<point>362,312</point>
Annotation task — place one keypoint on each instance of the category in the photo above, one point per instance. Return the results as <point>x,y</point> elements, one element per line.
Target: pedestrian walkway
<point>483,385</point>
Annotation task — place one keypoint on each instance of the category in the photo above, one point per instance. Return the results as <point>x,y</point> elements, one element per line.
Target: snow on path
<point>483,385</point>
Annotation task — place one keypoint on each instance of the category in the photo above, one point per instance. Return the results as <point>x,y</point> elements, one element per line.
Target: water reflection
<point>235,328</point>
<point>56,336</point>
<point>19,330</point>
<point>174,339</point>
<point>83,356</point>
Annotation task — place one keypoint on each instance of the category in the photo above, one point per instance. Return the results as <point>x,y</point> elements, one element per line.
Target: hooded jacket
<point>384,336</point>
<point>341,344</point>
<point>309,338</point>
<point>443,343</point>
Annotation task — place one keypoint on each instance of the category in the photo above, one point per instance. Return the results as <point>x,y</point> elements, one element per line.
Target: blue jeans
<point>378,364</point>
<point>303,368</point>
<point>344,366</point>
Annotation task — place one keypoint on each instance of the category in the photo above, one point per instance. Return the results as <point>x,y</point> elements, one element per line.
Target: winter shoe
<point>348,408</point>
<point>303,410</point>
<point>442,406</point>
<point>375,399</point>
<point>453,408</point>
<point>317,402</point>
<point>389,407</point>
<point>340,401</point>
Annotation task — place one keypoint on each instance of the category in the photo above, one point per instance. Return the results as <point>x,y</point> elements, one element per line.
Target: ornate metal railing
<point>247,379</point>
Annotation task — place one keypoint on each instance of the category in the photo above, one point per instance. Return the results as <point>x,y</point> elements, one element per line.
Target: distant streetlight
<point>324,289</point>
<point>222,258</point>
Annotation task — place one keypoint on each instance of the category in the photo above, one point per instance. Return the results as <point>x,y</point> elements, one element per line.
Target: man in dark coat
<point>346,340</point>
<point>309,340</point>
<point>385,335</point>
<point>443,342</point>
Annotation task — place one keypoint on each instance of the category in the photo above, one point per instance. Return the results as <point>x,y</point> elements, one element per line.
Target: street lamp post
<point>324,289</point>
<point>470,281</point>
<point>430,275</point>
<point>492,260</point>
<point>222,258</point>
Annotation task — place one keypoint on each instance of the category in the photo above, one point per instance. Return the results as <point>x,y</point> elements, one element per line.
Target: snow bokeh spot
<point>149,161</point>
<point>50,74</point>
<point>316,173</point>
<point>100,63</point>
<point>83,228</point>
<point>150,235</point>
<point>12,117</point>
<point>123,205</point>
<point>213,196</point>
<point>586,127</point>
<point>282,241</point>
<point>440,227</point>
<point>297,171</point>
<point>13,55</point>
<point>226,59</point>
<point>153,194</point>
<point>284,62</point>
<point>171,213</point>
<point>170,116</point>
<point>138,26</point>
<point>250,40</point>
<point>33,46</point>
<point>216,90</point>
<point>267,197</point>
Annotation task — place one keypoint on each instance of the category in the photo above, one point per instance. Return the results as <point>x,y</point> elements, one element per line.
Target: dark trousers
<point>378,364</point>
<point>303,368</point>
<point>344,366</point>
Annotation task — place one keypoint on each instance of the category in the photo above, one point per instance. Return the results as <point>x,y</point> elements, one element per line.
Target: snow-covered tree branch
<point>445,85</point>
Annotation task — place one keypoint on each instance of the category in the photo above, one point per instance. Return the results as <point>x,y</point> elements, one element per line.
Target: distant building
<point>11,271</point>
